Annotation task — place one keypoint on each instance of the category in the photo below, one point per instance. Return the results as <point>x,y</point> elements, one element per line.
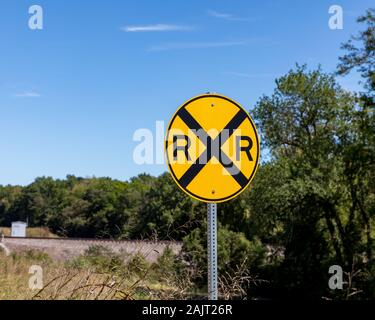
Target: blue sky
<point>72,94</point>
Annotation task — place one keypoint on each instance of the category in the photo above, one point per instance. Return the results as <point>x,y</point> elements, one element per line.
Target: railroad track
<point>98,239</point>
<point>68,248</point>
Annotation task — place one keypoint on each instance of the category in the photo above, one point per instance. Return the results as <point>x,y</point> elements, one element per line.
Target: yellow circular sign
<point>212,148</point>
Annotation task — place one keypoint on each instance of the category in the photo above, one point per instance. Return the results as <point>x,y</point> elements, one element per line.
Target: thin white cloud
<point>227,16</point>
<point>27,94</point>
<point>196,45</point>
<point>216,14</point>
<point>156,28</point>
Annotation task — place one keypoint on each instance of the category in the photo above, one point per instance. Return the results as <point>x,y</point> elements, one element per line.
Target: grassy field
<point>97,274</point>
<point>31,232</point>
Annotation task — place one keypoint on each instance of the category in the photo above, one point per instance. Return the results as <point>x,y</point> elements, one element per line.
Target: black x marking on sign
<point>204,158</point>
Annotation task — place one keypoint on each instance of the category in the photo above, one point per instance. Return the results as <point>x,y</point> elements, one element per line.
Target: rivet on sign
<point>213,191</point>
<point>212,105</point>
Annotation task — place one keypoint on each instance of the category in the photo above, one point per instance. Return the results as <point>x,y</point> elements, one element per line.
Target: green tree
<point>359,149</point>
<point>311,187</point>
<point>167,211</point>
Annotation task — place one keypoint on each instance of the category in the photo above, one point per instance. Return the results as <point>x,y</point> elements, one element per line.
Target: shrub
<point>32,255</point>
<point>138,265</point>
<point>99,258</point>
<point>233,249</point>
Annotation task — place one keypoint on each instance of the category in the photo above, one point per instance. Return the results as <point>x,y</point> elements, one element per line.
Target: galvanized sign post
<point>212,250</point>
<point>212,148</point>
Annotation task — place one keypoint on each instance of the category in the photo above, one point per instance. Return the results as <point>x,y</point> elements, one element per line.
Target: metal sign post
<point>212,250</point>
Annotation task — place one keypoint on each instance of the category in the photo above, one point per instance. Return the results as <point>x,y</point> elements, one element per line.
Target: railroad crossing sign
<point>212,148</point>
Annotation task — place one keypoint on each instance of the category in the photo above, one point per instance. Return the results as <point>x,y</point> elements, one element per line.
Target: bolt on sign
<point>212,148</point>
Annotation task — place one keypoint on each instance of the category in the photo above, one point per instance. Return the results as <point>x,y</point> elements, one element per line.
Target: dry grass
<point>77,281</point>
<point>42,232</point>
<point>14,278</point>
<point>233,285</point>
<point>61,282</point>
<point>100,274</point>
<point>70,284</point>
